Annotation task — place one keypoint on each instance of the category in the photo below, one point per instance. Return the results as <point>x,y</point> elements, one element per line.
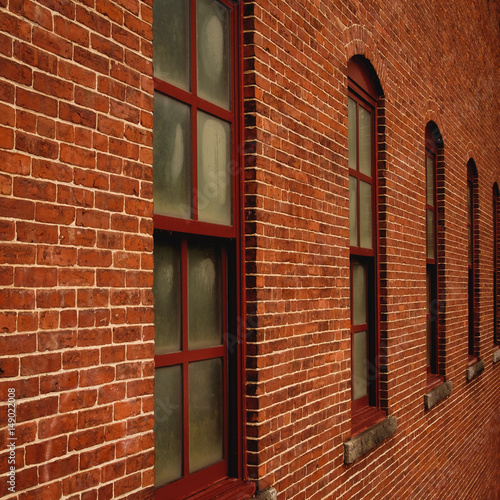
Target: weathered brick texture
<point>76,305</point>
<point>75,251</point>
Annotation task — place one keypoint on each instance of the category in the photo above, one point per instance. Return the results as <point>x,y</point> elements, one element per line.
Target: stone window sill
<point>362,443</point>
<point>437,394</point>
<point>496,356</point>
<point>474,370</point>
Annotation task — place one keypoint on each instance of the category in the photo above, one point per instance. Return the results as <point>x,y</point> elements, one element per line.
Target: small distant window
<point>472,257</point>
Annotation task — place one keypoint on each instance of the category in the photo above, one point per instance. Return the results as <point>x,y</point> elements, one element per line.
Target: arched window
<point>473,348</point>
<point>433,145</point>
<point>496,290</point>
<point>364,92</point>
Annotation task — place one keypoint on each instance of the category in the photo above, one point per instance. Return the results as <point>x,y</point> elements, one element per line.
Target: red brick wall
<point>435,62</point>
<point>76,338</point>
<point>76,314</point>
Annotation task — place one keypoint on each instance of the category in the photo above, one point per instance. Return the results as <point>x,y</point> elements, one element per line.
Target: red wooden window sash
<point>196,104</point>
<point>216,474</point>
<point>189,482</point>
<point>360,407</point>
<point>432,270</point>
<point>496,338</point>
<point>471,266</point>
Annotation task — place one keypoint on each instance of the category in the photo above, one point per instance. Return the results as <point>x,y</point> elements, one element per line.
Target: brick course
<point>76,311</point>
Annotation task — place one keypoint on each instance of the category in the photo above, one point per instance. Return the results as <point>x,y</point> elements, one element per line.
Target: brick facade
<point>76,262</point>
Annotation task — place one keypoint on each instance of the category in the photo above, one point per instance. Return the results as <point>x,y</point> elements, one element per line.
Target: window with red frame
<point>196,219</point>
<point>471,257</point>
<point>362,111</point>
<point>433,142</point>
<point>496,291</point>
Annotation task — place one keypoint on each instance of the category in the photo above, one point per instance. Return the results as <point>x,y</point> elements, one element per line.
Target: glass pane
<point>353,210</point>
<point>171,42</point>
<point>365,215</point>
<point>352,131</point>
<point>430,181</point>
<point>204,297</point>
<point>360,360</point>
<point>171,157</point>
<point>429,291</point>
<point>365,141</point>
<point>430,235</point>
<point>213,52</point>
<point>168,424</point>
<point>167,294</point>
<point>214,170</point>
<point>359,287</point>
<point>206,414</point>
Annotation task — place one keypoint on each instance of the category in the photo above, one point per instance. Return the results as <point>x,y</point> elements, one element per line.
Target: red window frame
<point>224,478</point>
<point>496,291</point>
<point>472,341</point>
<point>432,143</point>
<point>365,411</point>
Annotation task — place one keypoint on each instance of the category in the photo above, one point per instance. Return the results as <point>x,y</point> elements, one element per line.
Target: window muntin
<point>195,254</point>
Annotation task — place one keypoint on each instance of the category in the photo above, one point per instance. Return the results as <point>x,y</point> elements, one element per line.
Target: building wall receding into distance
<point>78,227</point>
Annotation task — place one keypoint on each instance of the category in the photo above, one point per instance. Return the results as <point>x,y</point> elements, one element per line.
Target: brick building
<point>263,263</point>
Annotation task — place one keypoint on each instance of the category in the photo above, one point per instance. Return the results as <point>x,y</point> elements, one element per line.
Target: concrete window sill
<point>496,356</point>
<point>474,370</point>
<point>367,440</point>
<point>437,394</point>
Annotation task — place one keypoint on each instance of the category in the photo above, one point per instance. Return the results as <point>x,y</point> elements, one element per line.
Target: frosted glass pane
<point>206,414</point>
<point>353,210</point>
<point>352,131</point>
<point>360,365</point>
<point>168,424</point>
<point>204,297</point>
<point>171,157</point>
<point>213,52</point>
<point>359,286</point>
<point>171,42</point>
<point>214,170</point>
<point>430,235</point>
<point>365,215</point>
<point>430,181</point>
<point>167,294</point>
<point>429,296</point>
<point>365,141</point>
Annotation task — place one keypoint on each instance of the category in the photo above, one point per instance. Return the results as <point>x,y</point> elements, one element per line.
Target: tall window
<point>195,254</point>
<point>496,291</point>
<point>433,142</point>
<point>362,110</point>
<point>471,256</point>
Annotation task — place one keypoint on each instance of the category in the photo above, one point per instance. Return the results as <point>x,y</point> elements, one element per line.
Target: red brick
<point>85,439</point>
<point>31,410</point>
<point>35,277</point>
<point>59,382</point>
<point>58,469</point>
<point>36,58</point>
<point>17,209</point>
<point>98,456</point>
<point>15,344</point>
<point>80,358</point>
<point>51,490</point>
<point>75,73</point>
<point>15,71</point>
<point>54,214</point>
<point>16,254</point>
<point>71,31</point>
<point>77,114</point>
<point>51,42</point>
<point>17,299</point>
<point>53,86</point>
<point>77,400</point>
<point>75,277</point>
<point>97,376</point>
<point>80,482</point>
<point>95,417</point>
<point>49,170</point>
<point>46,450</point>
